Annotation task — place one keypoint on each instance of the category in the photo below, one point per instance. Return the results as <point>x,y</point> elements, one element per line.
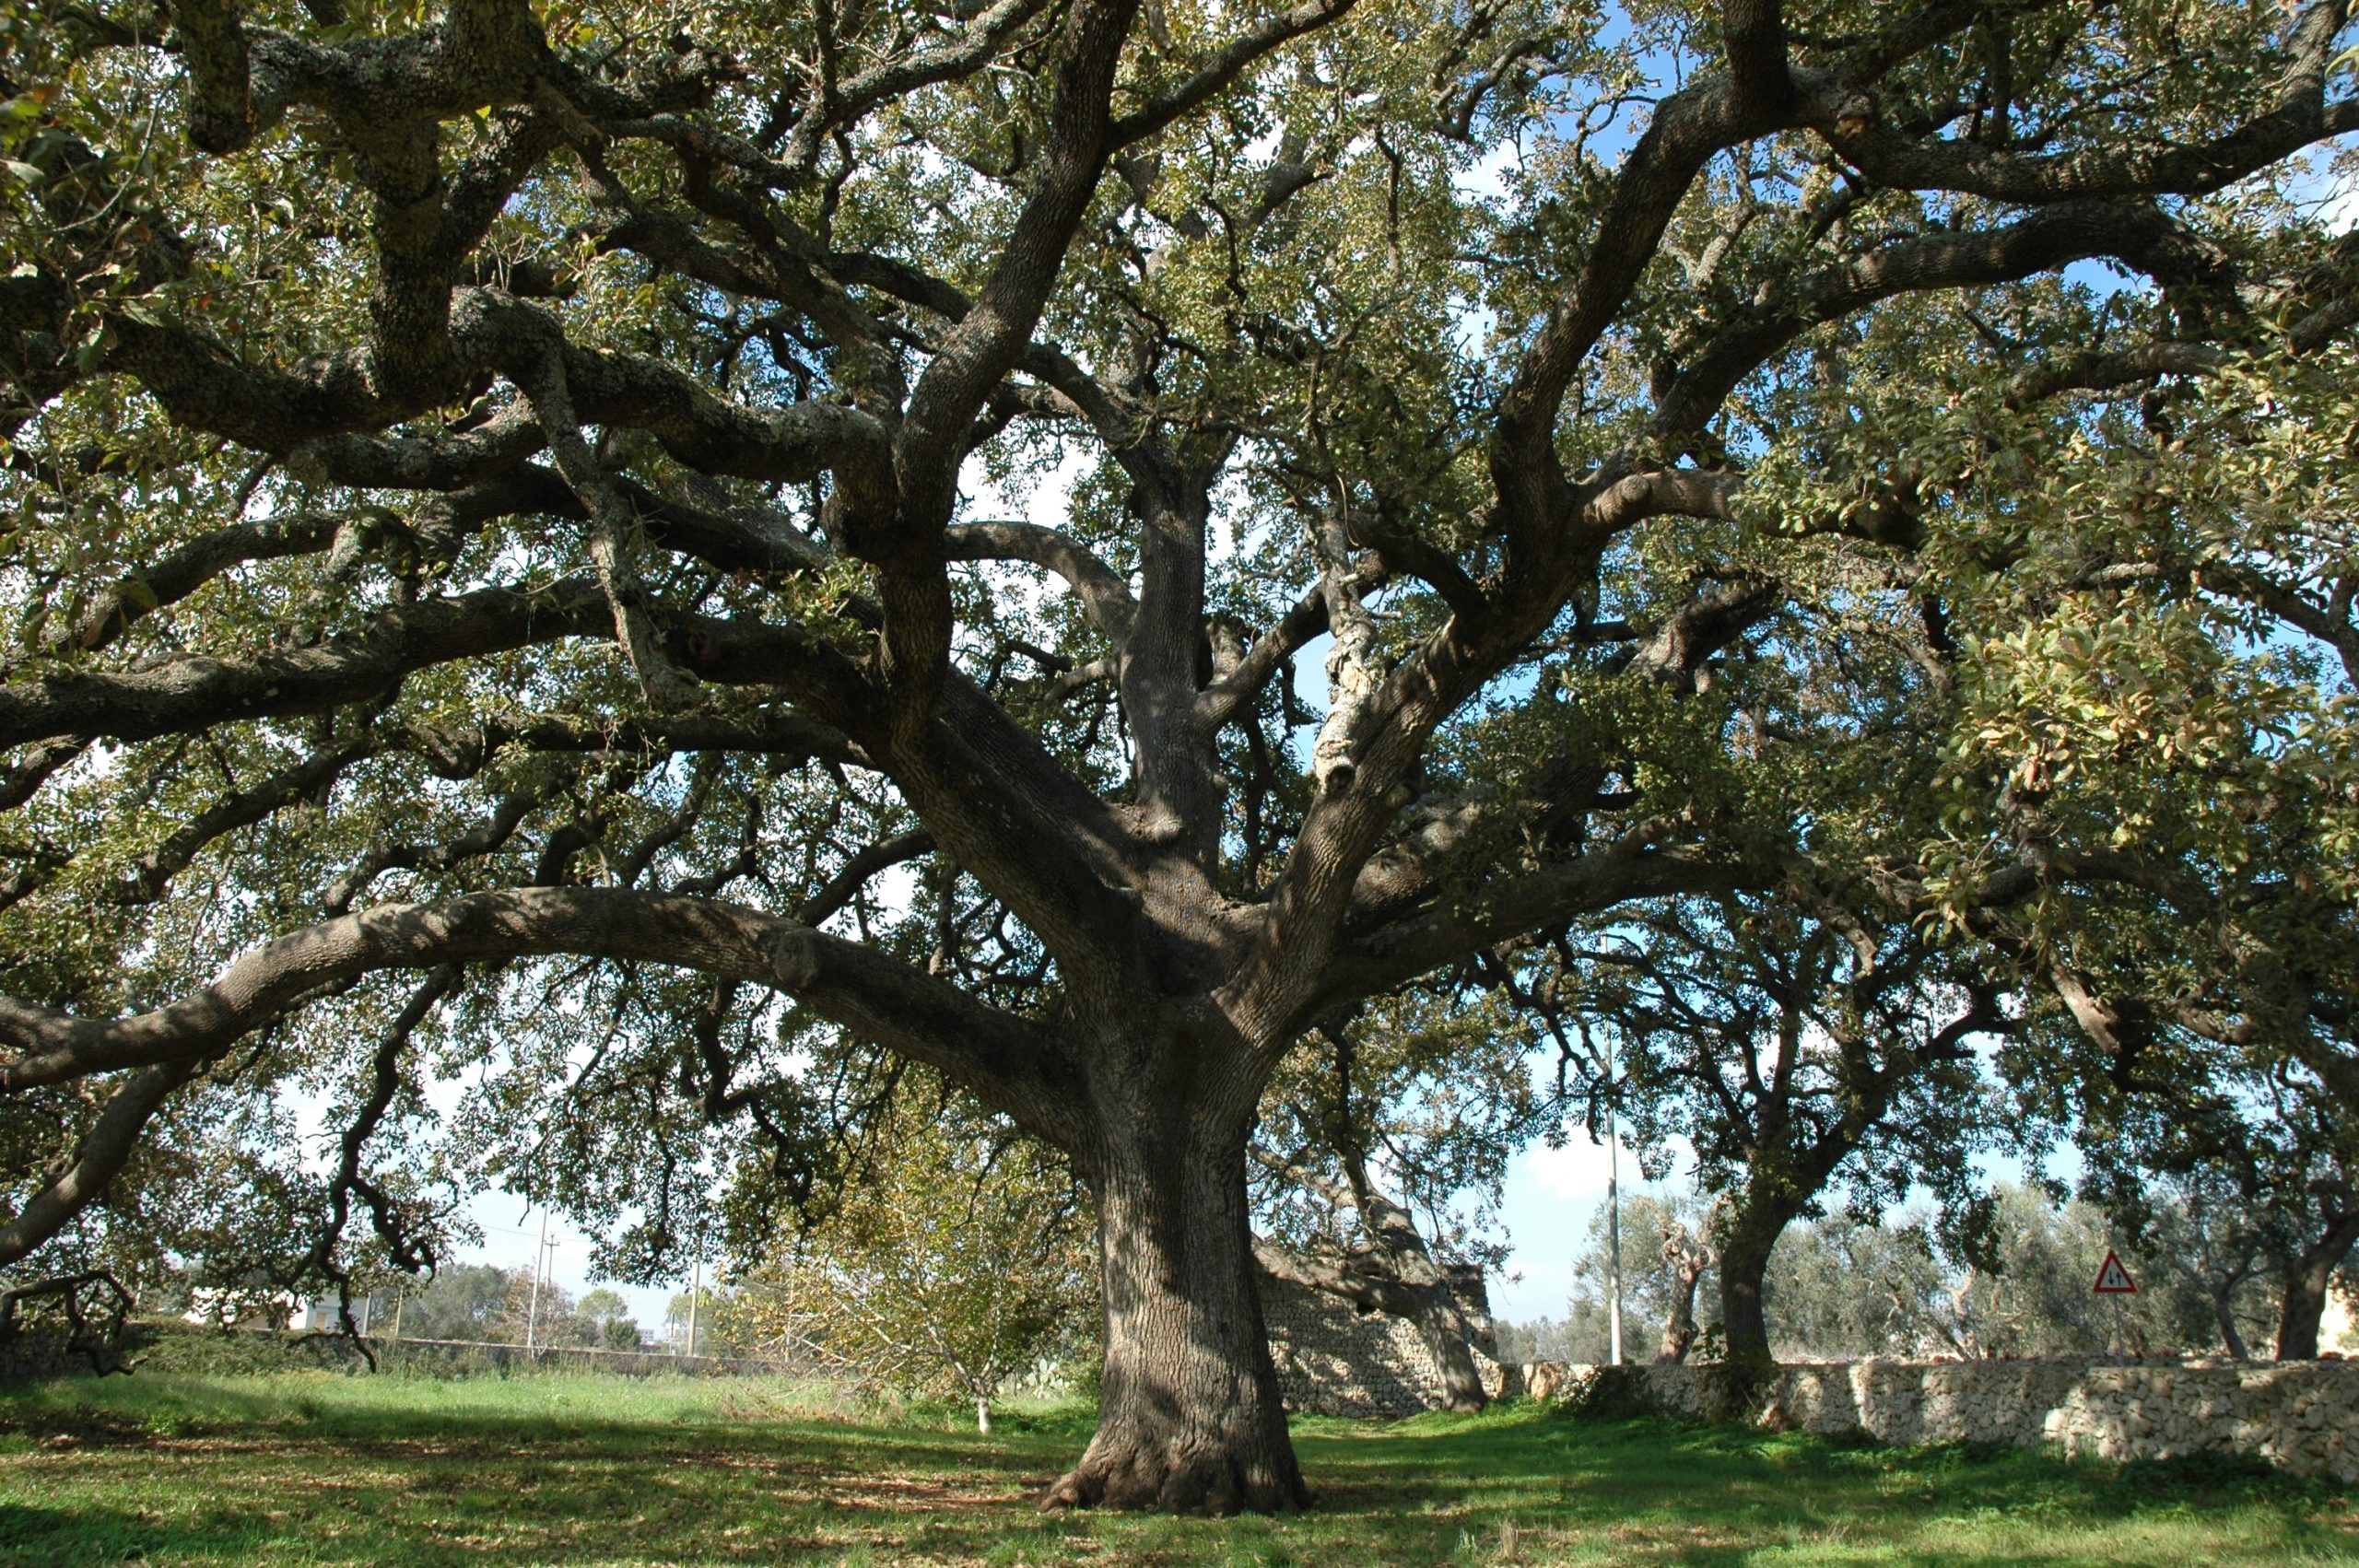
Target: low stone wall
<point>2301,1415</point>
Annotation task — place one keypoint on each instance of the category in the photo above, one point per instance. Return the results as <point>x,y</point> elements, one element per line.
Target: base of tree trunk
<point>1176,1476</point>
<point>1191,1419</point>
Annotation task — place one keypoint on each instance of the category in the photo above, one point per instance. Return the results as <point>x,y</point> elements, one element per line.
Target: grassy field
<point>318,1467</point>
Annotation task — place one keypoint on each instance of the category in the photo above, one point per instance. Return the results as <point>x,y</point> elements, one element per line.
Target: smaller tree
<point>1686,1258</point>
<point>1666,1261</point>
<point>537,1313</point>
<point>954,1257</point>
<point>1847,1287</point>
<point>2202,1227</point>
<point>1799,1048</point>
<point>1544,1338</point>
<point>2230,1158</point>
<point>602,1306</point>
<point>604,1319</point>
<point>464,1301</point>
<point>2027,1264</point>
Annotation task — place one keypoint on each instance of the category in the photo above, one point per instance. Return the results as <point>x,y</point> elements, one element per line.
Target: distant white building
<point>223,1308</point>
<point>323,1314</point>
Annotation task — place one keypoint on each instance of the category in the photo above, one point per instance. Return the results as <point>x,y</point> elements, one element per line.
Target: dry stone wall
<point>2303,1416</point>
<point>1334,1359</point>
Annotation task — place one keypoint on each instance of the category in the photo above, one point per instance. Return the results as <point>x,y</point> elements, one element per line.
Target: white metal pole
<point>540,1267</point>
<point>1612,1219</point>
<point>696,1289</point>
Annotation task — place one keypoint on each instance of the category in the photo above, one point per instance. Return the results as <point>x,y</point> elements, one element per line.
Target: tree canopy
<point>584,582</point>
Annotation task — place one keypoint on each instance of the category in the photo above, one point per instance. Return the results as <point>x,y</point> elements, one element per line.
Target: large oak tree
<point>509,544</point>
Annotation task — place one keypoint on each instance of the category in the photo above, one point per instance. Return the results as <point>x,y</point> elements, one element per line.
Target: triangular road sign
<point>2113,1280</point>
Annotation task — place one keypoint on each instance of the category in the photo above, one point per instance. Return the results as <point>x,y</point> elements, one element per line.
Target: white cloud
<point>1577,1170</point>
<point>1551,1197</point>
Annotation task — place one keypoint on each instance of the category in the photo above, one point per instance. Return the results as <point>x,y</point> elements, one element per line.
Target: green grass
<point>319,1468</point>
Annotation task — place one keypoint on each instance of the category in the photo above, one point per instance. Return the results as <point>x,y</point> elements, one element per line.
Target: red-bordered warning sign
<point>2113,1280</point>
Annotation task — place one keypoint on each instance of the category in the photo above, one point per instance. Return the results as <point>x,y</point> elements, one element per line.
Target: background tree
<point>2253,1178</point>
<point>2169,731</point>
<point>607,1319</point>
<point>955,1261</point>
<point>712,1320</point>
<point>464,1301</point>
<point>1666,1266</point>
<point>1796,1056</point>
<point>2010,1279</point>
<point>1841,1287</point>
<point>1686,1259</point>
<point>2204,1228</point>
<point>502,513</point>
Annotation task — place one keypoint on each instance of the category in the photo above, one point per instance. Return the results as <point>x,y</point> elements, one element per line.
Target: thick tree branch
<point>1013,1063</point>
<point>103,1153</point>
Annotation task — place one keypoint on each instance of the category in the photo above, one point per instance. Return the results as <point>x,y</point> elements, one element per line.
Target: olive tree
<point>952,1263</point>
<point>510,545</point>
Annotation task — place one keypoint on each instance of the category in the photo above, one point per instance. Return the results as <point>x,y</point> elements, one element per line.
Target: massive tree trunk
<point>1190,1416</point>
<point>1679,1325</point>
<point>2305,1288</point>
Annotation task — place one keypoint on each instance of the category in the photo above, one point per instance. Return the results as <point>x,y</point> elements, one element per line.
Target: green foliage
<point>957,1261</point>
<point>1841,1288</point>
<point>466,1301</point>
<point>1437,1084</point>
<point>1584,1334</point>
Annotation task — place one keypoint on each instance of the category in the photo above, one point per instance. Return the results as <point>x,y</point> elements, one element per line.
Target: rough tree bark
<point>1744,1247</point>
<point>1110,860</point>
<point>1191,1419</point>
<point>1686,1255</point>
<point>2223,1314</point>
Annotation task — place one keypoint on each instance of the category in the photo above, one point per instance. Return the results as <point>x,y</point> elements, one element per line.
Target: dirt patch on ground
<point>84,1429</point>
<point>926,1494</point>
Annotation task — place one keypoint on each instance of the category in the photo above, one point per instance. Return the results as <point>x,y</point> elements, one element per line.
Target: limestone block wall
<point>1339,1360</point>
<point>2301,1415</point>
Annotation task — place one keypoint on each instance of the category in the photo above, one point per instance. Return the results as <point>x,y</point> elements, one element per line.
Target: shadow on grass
<point>350,1471</point>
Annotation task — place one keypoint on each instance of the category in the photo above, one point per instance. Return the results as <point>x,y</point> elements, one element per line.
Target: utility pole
<point>696,1288</point>
<point>1612,1217</point>
<point>540,1267</point>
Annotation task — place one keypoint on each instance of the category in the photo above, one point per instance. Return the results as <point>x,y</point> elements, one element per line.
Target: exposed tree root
<point>1145,1477</point>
